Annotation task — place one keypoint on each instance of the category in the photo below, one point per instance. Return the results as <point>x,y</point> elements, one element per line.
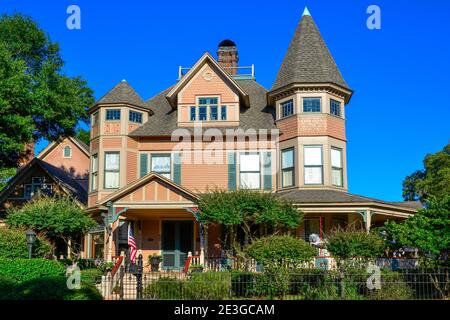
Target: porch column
<point>368,220</point>
<point>202,244</point>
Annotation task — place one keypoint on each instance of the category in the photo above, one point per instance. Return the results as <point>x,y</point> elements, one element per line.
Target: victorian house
<point>151,160</point>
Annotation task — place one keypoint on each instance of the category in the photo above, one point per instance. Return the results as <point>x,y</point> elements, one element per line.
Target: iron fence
<point>305,284</point>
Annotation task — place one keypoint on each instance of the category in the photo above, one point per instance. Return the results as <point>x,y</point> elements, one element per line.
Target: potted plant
<point>196,268</point>
<point>154,261</point>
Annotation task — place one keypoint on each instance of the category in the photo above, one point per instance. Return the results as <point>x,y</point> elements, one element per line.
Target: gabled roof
<point>122,93</point>
<point>206,58</point>
<point>61,177</point>
<point>142,181</point>
<point>308,59</point>
<point>165,120</point>
<point>80,144</point>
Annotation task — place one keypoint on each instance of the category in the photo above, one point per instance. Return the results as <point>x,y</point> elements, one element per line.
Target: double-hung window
<point>208,103</point>
<point>337,167</point>
<point>213,113</point>
<point>313,162</point>
<point>287,108</point>
<point>335,108</point>
<point>287,168</point>
<point>112,170</point>
<point>135,117</point>
<point>250,171</point>
<point>113,114</point>
<point>161,163</point>
<point>311,104</point>
<point>94,172</point>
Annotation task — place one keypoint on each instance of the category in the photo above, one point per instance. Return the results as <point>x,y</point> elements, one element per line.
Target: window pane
<point>207,101</point>
<point>313,156</point>
<point>335,108</point>
<point>67,151</point>
<point>111,180</point>
<point>192,113</point>
<point>313,175</point>
<point>112,161</point>
<point>94,163</point>
<point>161,163</point>
<point>223,113</point>
<point>113,114</point>
<point>249,162</point>
<point>202,113</point>
<point>287,158</point>
<point>336,158</point>
<point>287,108</point>
<point>250,180</point>
<point>213,113</point>
<point>94,181</point>
<point>135,117</point>
<point>337,177</point>
<point>311,104</point>
<point>288,178</point>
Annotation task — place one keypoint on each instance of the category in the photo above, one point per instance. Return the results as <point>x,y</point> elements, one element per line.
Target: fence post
<point>121,275</point>
<point>342,284</point>
<point>139,278</point>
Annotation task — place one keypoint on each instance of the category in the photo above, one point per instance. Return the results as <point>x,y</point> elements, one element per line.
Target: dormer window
<point>312,104</point>
<point>113,114</point>
<point>135,117</point>
<point>208,109</point>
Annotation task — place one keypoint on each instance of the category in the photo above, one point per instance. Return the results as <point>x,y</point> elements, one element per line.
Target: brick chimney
<point>227,56</point>
<point>27,155</point>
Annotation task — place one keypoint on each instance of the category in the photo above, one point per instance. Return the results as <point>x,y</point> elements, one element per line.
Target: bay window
<point>250,171</point>
<point>313,164</point>
<point>161,163</point>
<point>287,168</point>
<point>287,108</point>
<point>335,108</point>
<point>336,167</point>
<point>112,170</point>
<point>113,114</point>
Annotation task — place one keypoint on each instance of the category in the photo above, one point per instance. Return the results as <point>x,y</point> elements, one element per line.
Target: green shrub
<point>28,269</point>
<point>14,244</point>
<point>208,286</point>
<point>164,288</point>
<point>91,275</point>
<point>393,287</point>
<point>51,288</point>
<point>275,250</point>
<point>354,243</point>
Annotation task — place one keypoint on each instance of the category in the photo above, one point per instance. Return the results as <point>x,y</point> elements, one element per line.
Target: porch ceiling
<point>150,214</point>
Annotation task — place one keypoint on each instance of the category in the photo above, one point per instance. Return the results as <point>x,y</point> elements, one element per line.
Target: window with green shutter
<point>143,165</point>
<point>232,171</point>
<point>177,168</point>
<point>267,161</point>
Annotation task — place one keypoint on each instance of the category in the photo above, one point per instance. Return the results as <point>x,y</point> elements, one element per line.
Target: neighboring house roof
<point>340,197</point>
<point>61,177</point>
<point>308,59</point>
<point>122,93</point>
<point>165,120</point>
<point>83,147</point>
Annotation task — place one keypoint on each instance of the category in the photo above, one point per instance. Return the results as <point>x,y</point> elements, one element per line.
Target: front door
<point>177,241</point>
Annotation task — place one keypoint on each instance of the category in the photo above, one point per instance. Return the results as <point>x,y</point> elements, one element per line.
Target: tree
<point>36,99</point>
<point>56,218</point>
<point>433,180</point>
<point>83,135</point>
<point>249,213</point>
<point>5,175</point>
<point>428,230</point>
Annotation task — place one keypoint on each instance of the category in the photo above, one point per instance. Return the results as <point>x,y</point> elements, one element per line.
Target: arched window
<point>67,152</point>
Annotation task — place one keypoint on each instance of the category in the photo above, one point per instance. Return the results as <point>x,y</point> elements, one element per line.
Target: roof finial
<point>306,12</point>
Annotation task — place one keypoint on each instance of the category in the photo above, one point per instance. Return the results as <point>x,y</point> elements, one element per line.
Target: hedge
<point>21,270</point>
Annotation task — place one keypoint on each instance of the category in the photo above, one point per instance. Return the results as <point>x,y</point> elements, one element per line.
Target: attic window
<point>67,152</point>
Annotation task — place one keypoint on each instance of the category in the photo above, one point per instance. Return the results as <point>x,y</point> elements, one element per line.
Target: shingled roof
<point>164,120</point>
<point>122,93</point>
<point>308,59</point>
<point>336,197</point>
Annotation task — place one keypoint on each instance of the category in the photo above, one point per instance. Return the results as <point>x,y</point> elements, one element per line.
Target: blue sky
<point>401,74</point>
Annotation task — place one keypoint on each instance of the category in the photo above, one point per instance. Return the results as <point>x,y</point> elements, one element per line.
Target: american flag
<point>131,243</point>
